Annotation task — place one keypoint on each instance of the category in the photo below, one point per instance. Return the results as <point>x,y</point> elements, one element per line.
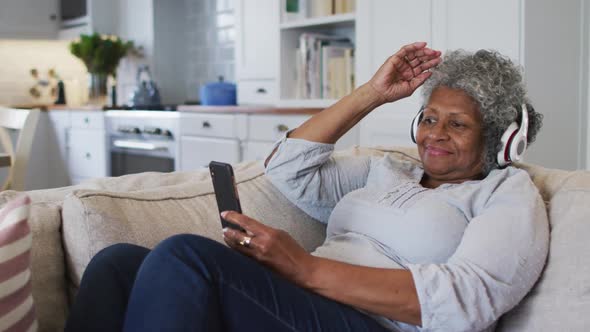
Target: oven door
<point>129,156</point>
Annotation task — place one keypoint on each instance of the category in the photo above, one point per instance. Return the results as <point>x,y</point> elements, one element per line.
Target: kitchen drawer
<point>257,92</point>
<point>87,120</point>
<point>272,127</point>
<point>198,152</point>
<point>211,125</point>
<point>87,153</point>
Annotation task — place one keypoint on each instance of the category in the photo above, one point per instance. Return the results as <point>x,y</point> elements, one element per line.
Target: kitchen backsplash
<point>18,57</point>
<point>211,35</point>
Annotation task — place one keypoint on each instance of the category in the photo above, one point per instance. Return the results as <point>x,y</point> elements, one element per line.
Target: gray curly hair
<point>495,83</point>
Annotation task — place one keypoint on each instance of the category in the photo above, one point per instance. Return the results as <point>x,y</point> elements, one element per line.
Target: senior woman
<point>448,245</point>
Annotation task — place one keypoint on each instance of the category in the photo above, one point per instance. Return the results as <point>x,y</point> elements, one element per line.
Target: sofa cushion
<point>48,266</point>
<point>94,219</point>
<point>561,298</point>
<point>17,311</point>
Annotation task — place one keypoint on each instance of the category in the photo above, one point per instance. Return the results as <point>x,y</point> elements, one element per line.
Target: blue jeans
<point>191,283</point>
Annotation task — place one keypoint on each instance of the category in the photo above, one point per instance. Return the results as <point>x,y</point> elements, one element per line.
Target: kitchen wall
<point>188,43</point>
<point>210,38</point>
<point>136,23</point>
<point>18,57</point>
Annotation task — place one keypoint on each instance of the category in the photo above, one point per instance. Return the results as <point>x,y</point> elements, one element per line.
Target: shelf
<point>319,103</point>
<point>338,19</point>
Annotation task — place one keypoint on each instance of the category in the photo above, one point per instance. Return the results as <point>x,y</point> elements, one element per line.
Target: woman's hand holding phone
<point>273,247</point>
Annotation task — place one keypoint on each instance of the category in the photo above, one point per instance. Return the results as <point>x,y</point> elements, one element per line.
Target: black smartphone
<point>226,192</point>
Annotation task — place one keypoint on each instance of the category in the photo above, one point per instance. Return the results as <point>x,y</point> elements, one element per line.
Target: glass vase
<point>97,89</point>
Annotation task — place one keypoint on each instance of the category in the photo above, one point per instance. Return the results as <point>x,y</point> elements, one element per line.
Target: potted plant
<point>101,55</point>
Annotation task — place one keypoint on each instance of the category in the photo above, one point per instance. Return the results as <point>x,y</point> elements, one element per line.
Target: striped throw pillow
<point>17,312</point>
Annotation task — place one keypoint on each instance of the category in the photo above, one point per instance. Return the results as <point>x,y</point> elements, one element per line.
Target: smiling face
<point>450,138</point>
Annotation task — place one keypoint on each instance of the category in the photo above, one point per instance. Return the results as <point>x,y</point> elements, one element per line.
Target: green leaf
<point>101,54</point>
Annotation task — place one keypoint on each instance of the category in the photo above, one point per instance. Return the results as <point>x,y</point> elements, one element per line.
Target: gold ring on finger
<point>246,241</point>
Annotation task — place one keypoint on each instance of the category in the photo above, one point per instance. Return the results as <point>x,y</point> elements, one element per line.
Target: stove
<point>163,108</point>
<point>142,140</point>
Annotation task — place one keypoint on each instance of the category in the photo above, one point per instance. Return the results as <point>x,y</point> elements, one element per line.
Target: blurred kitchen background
<point>186,43</point>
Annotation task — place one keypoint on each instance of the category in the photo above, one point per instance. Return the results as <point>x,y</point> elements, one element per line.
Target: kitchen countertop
<point>248,109</point>
<point>95,108</point>
<point>262,109</point>
<point>47,108</point>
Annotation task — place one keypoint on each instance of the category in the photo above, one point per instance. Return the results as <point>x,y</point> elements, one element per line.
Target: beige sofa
<point>72,224</point>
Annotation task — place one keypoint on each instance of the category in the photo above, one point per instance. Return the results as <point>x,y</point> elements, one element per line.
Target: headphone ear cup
<point>517,147</point>
<point>519,142</point>
<point>504,157</point>
<point>514,140</point>
<point>415,123</point>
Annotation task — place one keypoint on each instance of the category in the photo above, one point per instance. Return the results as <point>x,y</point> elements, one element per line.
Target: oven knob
<point>167,133</point>
<point>152,131</point>
<point>136,130</point>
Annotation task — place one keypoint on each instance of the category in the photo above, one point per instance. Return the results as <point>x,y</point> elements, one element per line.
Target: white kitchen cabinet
<point>87,120</point>
<point>234,138</point>
<point>209,136</point>
<point>102,16</point>
<point>257,92</point>
<point>210,125</point>
<point>87,155</point>
<point>256,51</point>
<point>197,152</point>
<point>495,25</point>
<point>29,19</point>
<point>270,128</point>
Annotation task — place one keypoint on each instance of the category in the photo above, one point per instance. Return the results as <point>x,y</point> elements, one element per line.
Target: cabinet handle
<point>282,128</point>
<point>206,124</point>
<point>261,90</point>
<point>88,155</point>
<point>86,120</point>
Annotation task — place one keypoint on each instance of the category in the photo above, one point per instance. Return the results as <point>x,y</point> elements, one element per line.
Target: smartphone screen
<point>226,192</point>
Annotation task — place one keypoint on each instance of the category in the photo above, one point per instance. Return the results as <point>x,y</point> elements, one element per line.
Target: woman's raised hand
<point>272,247</point>
<point>405,71</point>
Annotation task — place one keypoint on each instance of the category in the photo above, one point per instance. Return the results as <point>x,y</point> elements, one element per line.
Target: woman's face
<point>450,138</point>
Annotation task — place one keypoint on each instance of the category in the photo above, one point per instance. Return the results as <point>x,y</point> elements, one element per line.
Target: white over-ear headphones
<point>514,139</point>
<point>415,123</point>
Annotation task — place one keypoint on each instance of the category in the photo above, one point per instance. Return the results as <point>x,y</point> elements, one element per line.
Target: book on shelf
<point>336,71</point>
<point>324,66</point>
<point>320,8</point>
<point>343,6</point>
<point>294,10</point>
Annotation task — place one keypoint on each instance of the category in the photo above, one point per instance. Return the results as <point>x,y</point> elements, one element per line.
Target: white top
<point>474,249</point>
